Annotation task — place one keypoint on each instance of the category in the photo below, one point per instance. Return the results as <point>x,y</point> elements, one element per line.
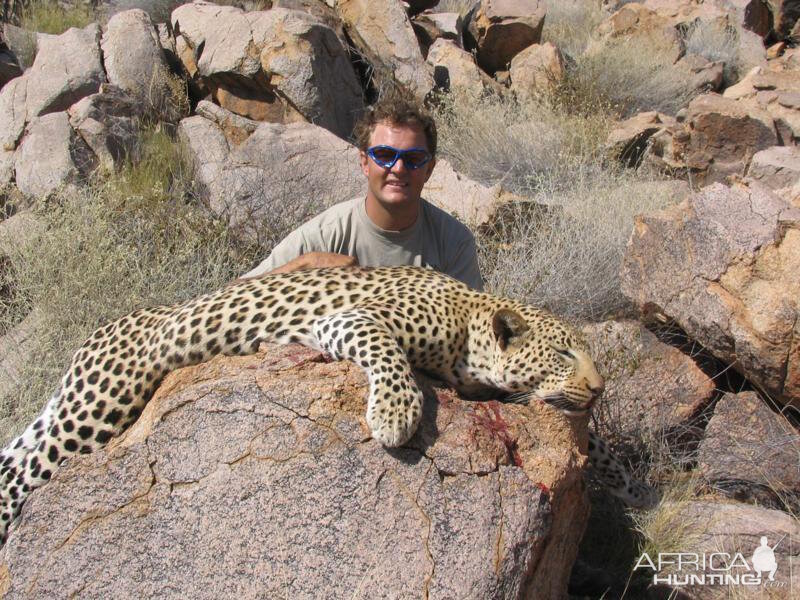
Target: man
<point>392,225</point>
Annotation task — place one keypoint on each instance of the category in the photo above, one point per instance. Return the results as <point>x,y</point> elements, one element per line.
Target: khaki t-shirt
<point>437,241</point>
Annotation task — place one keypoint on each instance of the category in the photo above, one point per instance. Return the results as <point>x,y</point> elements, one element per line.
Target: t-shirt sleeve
<point>464,262</point>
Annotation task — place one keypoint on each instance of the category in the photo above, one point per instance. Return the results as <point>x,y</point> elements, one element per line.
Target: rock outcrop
<point>382,32</point>
<point>51,156</point>
<point>135,62</point>
<point>498,30</point>
<point>109,124</point>
<point>67,68</point>
<point>537,69</point>
<point>455,70</point>
<point>751,453</point>
<point>653,391</point>
<point>279,65</point>
<point>278,174</point>
<point>258,474</point>
<point>724,265</point>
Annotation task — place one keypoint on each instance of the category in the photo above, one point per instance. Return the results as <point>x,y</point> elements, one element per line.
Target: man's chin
<point>397,197</point>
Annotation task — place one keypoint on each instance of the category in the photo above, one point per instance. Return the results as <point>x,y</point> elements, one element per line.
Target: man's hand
<point>312,260</point>
<point>317,260</point>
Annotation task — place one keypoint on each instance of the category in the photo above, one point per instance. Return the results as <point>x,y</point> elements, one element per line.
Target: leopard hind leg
<point>394,406</point>
<point>20,469</point>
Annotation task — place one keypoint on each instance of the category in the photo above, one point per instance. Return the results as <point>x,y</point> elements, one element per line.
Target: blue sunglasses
<point>386,156</point>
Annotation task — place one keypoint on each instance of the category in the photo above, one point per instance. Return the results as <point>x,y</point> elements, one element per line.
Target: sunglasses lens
<point>383,156</point>
<point>416,158</point>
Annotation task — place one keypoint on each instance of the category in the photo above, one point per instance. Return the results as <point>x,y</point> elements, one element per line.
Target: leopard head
<point>538,356</point>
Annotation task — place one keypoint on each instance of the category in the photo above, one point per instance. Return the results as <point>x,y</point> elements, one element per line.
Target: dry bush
<point>567,258</point>
<point>130,240</point>
<point>631,76</point>
<point>718,42</point>
<point>569,24</point>
<point>523,147</point>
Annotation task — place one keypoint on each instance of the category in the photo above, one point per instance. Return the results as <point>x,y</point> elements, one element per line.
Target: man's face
<point>398,188</point>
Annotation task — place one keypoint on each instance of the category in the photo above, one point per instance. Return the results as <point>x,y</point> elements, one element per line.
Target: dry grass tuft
<point>523,147</point>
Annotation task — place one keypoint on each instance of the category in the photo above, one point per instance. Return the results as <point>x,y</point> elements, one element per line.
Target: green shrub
<point>47,16</point>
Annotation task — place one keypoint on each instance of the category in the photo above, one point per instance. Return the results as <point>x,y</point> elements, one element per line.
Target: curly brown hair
<point>399,109</point>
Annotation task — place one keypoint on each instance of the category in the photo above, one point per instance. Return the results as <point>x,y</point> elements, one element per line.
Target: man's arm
<point>465,268</point>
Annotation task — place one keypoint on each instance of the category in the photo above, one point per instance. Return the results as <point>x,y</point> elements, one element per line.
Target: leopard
<point>387,320</point>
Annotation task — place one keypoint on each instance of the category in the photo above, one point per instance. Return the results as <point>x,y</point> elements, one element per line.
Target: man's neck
<point>394,219</point>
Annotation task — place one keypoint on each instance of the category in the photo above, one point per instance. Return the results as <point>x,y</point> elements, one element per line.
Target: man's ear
<point>507,324</point>
<point>364,159</point>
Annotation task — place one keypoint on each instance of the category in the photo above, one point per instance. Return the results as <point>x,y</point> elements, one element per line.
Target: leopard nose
<point>598,388</point>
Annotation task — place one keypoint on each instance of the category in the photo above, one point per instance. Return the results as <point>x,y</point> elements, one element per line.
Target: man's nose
<point>399,165</point>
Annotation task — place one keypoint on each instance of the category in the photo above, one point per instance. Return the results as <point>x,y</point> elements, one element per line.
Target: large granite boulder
<point>266,182</point>
<point>455,70</point>
<point>723,135</point>
<point>135,62</point>
<point>67,68</point>
<point>774,89</point>
<point>537,70</point>
<point>278,65</point>
<point>751,453</point>
<point>725,265</point>
<point>13,112</point>
<point>382,32</point>
<point>498,30</point>
<point>653,390</point>
<point>258,474</point>
<point>52,156</point>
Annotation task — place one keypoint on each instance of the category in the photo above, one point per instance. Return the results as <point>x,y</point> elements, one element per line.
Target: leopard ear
<point>507,324</point>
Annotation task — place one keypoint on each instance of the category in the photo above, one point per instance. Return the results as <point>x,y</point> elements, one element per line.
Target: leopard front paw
<point>394,421</point>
